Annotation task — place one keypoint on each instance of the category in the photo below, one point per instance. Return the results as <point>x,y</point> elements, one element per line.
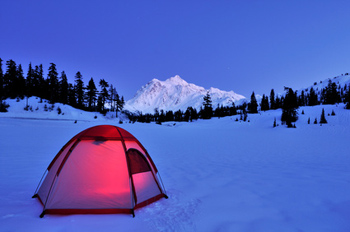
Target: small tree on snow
<point>323,118</point>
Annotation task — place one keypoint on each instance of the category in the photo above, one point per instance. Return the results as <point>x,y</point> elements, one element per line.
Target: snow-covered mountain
<point>341,81</point>
<point>174,94</point>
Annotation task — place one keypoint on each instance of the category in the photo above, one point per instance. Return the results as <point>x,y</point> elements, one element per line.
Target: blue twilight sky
<point>238,45</point>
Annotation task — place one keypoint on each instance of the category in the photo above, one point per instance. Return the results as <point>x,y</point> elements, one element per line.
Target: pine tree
<point>313,99</point>
<point>290,104</point>
<point>169,116</point>
<point>207,111</point>
<point>112,96</point>
<point>187,115</point>
<point>79,90</point>
<point>72,101</point>
<point>104,93</point>
<point>331,94</point>
<point>272,100</point>
<point>52,79</point>
<point>302,101</point>
<point>30,81</point>
<point>323,118</point>
<point>264,103</point>
<point>1,82</point>
<point>232,109</point>
<point>10,80</point>
<point>3,105</point>
<point>21,83</point>
<point>39,84</point>
<point>91,94</point>
<point>63,88</point>
<point>347,99</point>
<point>253,106</point>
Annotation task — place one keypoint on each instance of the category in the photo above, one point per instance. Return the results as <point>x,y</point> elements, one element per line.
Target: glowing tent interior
<point>103,169</point>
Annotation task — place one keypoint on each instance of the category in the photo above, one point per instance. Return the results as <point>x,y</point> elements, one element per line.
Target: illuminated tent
<point>103,169</point>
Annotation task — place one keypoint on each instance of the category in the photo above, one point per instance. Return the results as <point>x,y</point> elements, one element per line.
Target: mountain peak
<point>176,80</point>
<point>174,94</point>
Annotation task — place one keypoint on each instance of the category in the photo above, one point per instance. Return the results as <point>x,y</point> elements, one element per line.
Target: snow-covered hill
<point>43,110</point>
<point>341,81</point>
<point>174,94</point>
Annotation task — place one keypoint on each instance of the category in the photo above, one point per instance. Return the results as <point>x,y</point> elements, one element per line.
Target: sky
<point>237,45</point>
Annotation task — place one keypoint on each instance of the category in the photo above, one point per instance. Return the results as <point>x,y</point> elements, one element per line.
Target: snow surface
<point>174,94</point>
<point>220,175</point>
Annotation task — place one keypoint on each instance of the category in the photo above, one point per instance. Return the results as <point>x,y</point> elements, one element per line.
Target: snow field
<point>220,175</point>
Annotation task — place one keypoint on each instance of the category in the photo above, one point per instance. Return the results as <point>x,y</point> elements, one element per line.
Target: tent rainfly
<point>103,169</point>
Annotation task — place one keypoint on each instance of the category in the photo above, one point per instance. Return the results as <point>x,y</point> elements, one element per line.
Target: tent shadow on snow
<point>103,169</point>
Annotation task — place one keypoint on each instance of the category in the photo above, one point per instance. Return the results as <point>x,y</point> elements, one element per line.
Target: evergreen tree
<point>161,116</point>
<point>79,90</point>
<point>187,115</point>
<point>113,97</point>
<point>233,110</point>
<point>10,80</point>
<point>302,101</point>
<point>52,79</point>
<point>313,99</point>
<point>30,81</point>
<point>272,100</point>
<point>3,105</point>
<point>264,103</point>
<point>20,85</point>
<point>1,82</point>
<point>290,104</point>
<point>121,104</point>
<point>323,118</point>
<point>169,116</point>
<point>278,103</point>
<point>91,94</point>
<point>207,111</point>
<point>104,93</point>
<point>63,88</point>
<point>347,99</point>
<point>253,106</point>
<point>72,101</point>
<point>331,94</point>
<point>178,116</point>
<point>117,102</point>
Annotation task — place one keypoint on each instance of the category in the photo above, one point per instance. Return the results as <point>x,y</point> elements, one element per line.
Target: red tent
<point>103,169</point>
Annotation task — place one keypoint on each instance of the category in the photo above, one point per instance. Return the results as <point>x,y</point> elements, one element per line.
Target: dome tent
<point>103,169</point>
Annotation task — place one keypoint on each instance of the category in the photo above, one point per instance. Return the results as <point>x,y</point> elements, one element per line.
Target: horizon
<point>233,46</point>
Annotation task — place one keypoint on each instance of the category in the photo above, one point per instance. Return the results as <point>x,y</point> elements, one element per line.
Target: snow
<point>174,94</point>
<point>44,110</point>
<point>220,175</point>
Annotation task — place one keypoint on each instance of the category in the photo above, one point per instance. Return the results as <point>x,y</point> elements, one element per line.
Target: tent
<point>103,169</point>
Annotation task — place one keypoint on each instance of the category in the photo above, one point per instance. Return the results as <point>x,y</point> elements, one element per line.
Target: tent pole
<point>161,181</point>
<point>36,190</point>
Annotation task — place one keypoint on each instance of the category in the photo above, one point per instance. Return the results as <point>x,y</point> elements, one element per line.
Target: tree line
<point>56,88</point>
<point>289,103</point>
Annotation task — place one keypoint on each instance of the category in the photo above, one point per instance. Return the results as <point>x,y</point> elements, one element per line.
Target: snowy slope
<point>341,81</point>
<point>220,175</point>
<point>174,94</point>
<point>44,110</point>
